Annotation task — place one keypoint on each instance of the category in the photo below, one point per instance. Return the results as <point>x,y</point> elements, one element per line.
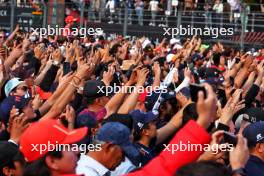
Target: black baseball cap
<point>94,89</point>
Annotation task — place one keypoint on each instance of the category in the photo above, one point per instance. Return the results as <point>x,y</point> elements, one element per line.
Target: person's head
<point>95,91</point>
<point>222,60</point>
<point>50,150</point>
<point>115,141</point>
<point>254,133</point>
<point>15,87</point>
<point>197,59</point>
<point>249,115</point>
<point>144,125</point>
<point>22,104</point>
<point>89,121</point>
<point>146,61</point>
<point>203,168</point>
<point>11,164</point>
<point>53,162</point>
<point>217,1</point>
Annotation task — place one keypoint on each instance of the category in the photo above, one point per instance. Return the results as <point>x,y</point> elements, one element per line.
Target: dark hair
<point>39,167</point>
<point>137,134</point>
<point>204,168</point>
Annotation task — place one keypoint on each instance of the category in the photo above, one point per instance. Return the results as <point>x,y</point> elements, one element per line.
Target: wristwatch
<point>240,171</point>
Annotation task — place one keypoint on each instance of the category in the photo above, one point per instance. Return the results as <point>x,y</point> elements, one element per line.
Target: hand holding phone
<point>230,138</point>
<point>194,89</point>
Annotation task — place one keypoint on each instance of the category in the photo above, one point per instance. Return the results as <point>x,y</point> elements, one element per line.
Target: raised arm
<point>131,101</point>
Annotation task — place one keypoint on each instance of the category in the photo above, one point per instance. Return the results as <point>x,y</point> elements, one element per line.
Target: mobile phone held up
<point>230,138</point>
<point>194,89</point>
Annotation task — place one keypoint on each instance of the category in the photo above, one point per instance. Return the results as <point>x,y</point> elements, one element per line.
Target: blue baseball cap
<point>254,133</point>
<point>141,119</point>
<point>196,57</point>
<point>118,134</point>
<point>86,120</point>
<point>11,84</point>
<point>152,98</point>
<point>19,102</point>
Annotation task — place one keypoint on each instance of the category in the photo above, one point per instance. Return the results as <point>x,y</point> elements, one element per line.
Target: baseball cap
<point>170,57</point>
<point>141,119</point>
<point>214,81</point>
<point>42,94</point>
<point>211,72</point>
<point>250,115</point>
<point>152,98</point>
<point>19,102</point>
<point>69,19</point>
<point>196,57</point>
<point>47,133</point>
<point>174,41</point>
<point>8,151</point>
<point>253,115</point>
<point>146,43</point>
<point>94,89</point>
<point>99,115</point>
<point>86,120</point>
<point>177,46</point>
<point>254,133</point>
<point>117,134</point>
<point>11,84</point>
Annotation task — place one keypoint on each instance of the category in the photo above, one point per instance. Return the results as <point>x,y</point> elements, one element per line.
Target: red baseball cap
<point>69,19</point>
<point>41,137</point>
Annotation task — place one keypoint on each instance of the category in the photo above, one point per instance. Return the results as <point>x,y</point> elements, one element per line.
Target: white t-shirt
<point>154,5</point>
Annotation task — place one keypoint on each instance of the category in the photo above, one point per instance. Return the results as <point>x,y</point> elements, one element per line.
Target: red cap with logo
<point>41,137</point>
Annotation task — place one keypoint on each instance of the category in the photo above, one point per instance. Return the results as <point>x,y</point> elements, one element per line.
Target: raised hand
<point>18,127</point>
<point>108,75</point>
<point>206,107</point>
<point>142,76</point>
<point>239,155</point>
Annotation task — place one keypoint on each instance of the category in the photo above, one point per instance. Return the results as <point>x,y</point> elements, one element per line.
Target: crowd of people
<point>55,91</point>
<point>154,10</point>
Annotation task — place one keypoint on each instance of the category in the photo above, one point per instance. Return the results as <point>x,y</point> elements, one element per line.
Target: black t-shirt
<point>147,153</point>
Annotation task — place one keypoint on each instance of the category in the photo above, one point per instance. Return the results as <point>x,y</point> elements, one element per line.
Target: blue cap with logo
<point>254,133</point>
<point>141,119</point>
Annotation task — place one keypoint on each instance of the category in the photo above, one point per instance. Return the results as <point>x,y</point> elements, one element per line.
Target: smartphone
<point>194,89</point>
<point>230,138</point>
<point>222,97</point>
